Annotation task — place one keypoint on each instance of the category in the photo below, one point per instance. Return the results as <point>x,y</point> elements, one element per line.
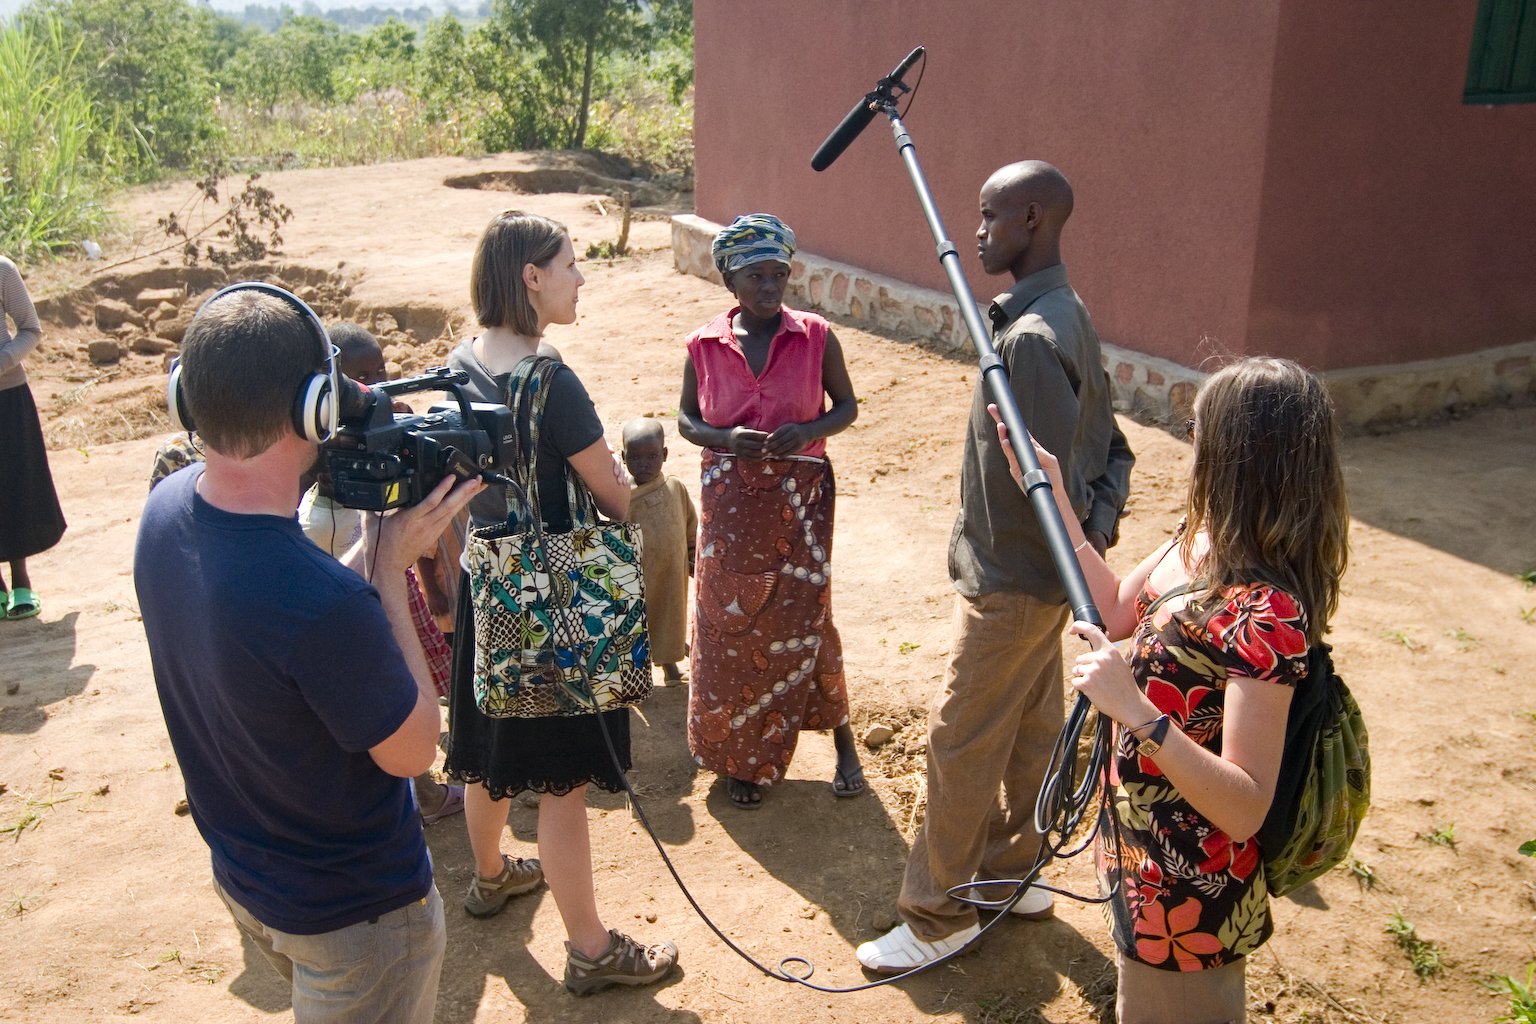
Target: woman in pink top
<point>766,659</point>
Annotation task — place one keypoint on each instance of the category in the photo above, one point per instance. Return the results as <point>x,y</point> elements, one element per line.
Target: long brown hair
<point>1267,487</point>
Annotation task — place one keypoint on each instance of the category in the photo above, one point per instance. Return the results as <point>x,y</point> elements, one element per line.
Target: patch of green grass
<point>1528,614</point>
<point>18,904</point>
<point>1526,714</point>
<point>27,819</point>
<point>1425,958</point>
<point>1466,640</point>
<point>30,818</point>
<point>1528,578</point>
<point>1522,996</point>
<point>1401,636</point>
<point>1443,835</point>
<point>907,648</point>
<point>1363,874</point>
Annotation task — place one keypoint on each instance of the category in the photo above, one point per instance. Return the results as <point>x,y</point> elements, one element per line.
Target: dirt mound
<point>111,341</point>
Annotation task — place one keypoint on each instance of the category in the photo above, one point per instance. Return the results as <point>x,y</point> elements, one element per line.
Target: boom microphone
<point>859,117</point>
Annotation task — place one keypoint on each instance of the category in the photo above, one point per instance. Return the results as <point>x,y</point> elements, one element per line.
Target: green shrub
<point>143,64</point>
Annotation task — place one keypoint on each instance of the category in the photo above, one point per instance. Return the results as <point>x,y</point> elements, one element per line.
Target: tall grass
<point>375,127</point>
<point>50,189</point>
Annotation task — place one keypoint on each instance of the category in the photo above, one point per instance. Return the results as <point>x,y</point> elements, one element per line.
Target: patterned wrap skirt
<point>30,518</point>
<point>767,661</point>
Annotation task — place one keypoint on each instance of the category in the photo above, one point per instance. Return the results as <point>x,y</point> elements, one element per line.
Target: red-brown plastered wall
<point>1156,112</point>
<point>1297,177</point>
<point>1398,223</point>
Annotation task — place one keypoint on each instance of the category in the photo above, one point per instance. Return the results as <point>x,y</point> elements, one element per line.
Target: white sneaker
<point>898,950</point>
<point>1034,905</point>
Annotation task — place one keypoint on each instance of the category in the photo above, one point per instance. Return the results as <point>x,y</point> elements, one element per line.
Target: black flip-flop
<point>744,804</point>
<point>846,778</point>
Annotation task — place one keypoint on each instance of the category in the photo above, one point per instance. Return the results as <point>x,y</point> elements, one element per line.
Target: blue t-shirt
<point>277,670</point>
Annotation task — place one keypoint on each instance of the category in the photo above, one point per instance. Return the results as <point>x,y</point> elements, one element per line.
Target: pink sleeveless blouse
<point>789,390</point>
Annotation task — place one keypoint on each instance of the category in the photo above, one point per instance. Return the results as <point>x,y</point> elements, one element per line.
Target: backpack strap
<point>1165,597</point>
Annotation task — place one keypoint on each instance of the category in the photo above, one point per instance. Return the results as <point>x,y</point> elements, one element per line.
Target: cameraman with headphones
<point>296,749</point>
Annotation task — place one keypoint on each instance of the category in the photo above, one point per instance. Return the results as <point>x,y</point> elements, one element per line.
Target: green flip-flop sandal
<point>24,599</point>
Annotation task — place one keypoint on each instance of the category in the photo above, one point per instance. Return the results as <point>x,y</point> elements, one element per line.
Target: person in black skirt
<point>30,518</point>
<point>524,279</point>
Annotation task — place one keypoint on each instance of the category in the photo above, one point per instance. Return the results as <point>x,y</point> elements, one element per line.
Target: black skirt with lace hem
<point>512,755</point>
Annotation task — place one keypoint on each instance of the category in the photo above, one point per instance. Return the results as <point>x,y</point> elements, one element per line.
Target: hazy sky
<point>9,7</point>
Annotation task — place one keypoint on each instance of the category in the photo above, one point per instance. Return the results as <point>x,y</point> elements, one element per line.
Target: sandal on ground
<point>624,962</point>
<point>453,803</point>
<point>846,784</point>
<point>898,950</point>
<point>742,792</point>
<point>487,896</point>
<point>23,604</point>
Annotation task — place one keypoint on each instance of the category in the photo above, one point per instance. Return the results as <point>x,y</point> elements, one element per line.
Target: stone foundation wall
<point>1152,389</point>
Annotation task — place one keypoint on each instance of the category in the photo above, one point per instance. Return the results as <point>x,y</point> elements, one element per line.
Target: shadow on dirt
<point>39,661</point>
<point>494,951</point>
<point>663,771</point>
<point>1443,487</point>
<point>821,847</point>
<point>587,172</point>
<point>259,984</point>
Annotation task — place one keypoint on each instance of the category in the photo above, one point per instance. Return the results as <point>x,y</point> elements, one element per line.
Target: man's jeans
<point>373,971</point>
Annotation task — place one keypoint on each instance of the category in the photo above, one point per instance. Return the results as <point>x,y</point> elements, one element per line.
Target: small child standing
<point>660,506</point>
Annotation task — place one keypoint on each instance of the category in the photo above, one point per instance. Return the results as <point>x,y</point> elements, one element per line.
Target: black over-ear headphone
<point>315,410</point>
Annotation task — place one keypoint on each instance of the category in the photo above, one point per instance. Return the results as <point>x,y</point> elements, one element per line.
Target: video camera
<point>380,461</point>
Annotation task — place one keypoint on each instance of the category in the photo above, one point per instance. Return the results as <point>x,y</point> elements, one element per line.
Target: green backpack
<point>1324,786</point>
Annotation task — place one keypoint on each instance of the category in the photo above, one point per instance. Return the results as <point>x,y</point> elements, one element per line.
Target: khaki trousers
<point>991,729</point>
<point>1149,995</point>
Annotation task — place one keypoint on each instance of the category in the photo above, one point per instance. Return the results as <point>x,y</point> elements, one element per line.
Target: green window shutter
<point>1502,68</point>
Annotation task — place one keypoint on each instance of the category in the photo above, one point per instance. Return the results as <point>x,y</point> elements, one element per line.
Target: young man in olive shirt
<point>992,725</point>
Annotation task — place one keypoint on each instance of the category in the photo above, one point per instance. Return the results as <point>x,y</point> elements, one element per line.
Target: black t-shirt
<point>277,671</point>
<point>571,425</point>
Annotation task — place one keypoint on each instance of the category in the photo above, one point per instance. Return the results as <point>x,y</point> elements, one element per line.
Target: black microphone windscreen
<point>857,120</point>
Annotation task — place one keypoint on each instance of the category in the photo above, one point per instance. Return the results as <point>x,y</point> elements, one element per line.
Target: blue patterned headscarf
<point>752,238</point>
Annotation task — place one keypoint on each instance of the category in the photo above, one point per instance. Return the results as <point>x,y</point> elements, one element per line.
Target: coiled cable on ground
<point>1065,800</point>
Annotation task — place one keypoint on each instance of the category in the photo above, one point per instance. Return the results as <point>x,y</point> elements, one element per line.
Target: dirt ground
<point>106,907</point>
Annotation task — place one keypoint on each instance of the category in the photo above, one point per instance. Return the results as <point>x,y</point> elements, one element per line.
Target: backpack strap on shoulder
<point>1165,597</point>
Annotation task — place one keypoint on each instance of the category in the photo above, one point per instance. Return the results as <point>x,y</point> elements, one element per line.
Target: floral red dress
<point>1187,896</point>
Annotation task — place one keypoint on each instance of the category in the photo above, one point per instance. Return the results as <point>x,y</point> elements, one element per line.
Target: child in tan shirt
<point>668,524</point>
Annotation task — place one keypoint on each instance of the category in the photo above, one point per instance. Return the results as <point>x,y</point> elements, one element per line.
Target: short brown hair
<point>496,289</point>
<point>242,363</point>
<point>1267,487</point>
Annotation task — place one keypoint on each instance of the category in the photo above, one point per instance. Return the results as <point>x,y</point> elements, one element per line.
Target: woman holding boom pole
<point>1221,618</point>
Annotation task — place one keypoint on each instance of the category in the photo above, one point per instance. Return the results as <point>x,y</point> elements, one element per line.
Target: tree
<point>382,59</point>
<point>296,60</point>
<point>572,35</point>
